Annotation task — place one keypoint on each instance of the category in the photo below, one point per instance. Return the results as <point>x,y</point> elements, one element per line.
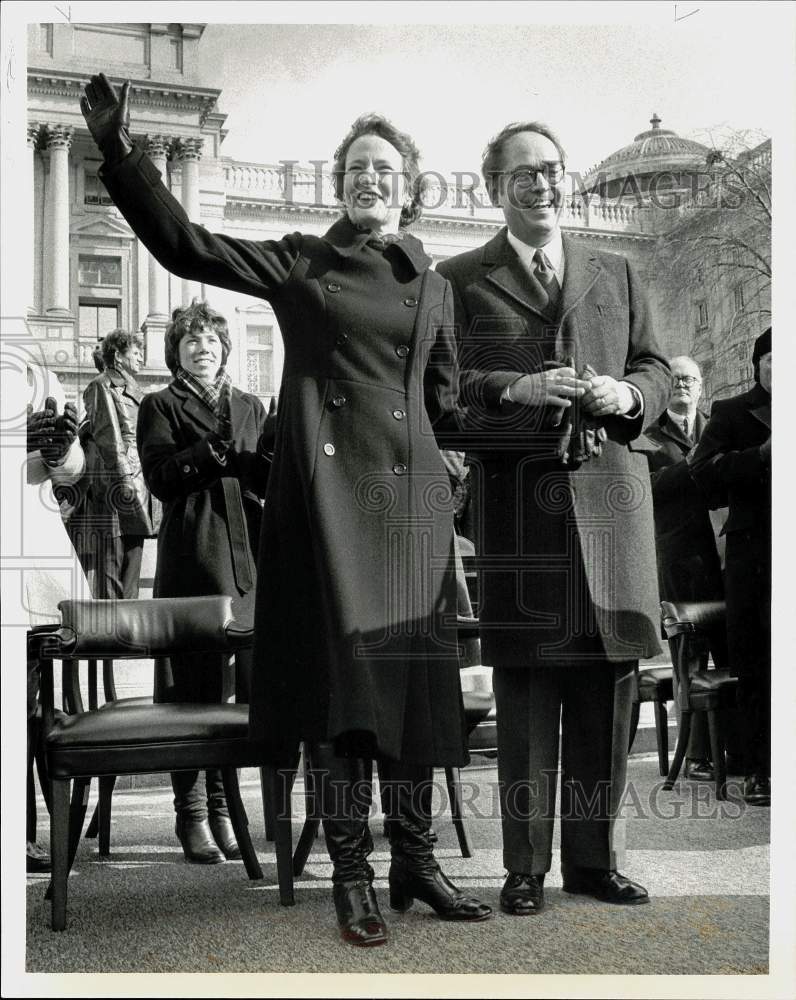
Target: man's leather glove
<point>41,425</point>
<point>108,118</point>
<point>65,433</point>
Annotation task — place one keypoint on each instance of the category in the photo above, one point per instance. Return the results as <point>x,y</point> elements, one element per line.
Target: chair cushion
<point>133,739</point>
<point>127,702</point>
<point>712,688</point>
<point>655,684</point>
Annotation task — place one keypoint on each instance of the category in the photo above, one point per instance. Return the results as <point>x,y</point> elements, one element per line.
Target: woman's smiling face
<point>374,188</point>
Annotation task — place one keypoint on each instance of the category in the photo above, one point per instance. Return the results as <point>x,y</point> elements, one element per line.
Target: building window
<point>95,192</point>
<point>103,271</point>
<point>98,318</point>
<point>45,38</point>
<point>260,359</point>
<point>702,315</point>
<point>175,48</point>
<point>700,274</point>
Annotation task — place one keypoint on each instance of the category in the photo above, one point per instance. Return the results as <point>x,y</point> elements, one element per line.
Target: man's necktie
<point>685,426</point>
<point>545,273</point>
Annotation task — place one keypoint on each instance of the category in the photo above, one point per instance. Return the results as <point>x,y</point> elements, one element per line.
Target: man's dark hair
<point>117,340</point>
<point>491,161</point>
<point>373,124</point>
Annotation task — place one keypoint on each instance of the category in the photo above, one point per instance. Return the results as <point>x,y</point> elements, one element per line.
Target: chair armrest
<point>691,616</point>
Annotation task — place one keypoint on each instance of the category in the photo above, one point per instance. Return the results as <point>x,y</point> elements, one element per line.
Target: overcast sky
<point>291,90</point>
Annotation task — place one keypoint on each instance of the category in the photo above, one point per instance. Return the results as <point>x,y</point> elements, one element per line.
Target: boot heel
<point>400,900</point>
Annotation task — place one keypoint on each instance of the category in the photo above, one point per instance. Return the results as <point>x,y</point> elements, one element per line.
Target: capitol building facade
<point>86,273</point>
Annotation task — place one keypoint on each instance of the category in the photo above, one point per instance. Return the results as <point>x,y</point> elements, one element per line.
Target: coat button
<point>333,286</point>
<point>399,469</point>
<point>186,469</point>
<point>338,401</point>
<point>398,414</point>
<point>402,351</point>
<point>410,302</point>
<point>328,449</point>
<point>341,339</point>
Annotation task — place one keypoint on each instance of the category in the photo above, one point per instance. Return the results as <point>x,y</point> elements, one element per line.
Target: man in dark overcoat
<point>689,568</point>
<point>732,464</point>
<point>560,373</point>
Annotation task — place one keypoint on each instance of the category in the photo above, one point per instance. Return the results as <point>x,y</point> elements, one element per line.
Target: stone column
<point>189,152</point>
<point>56,249</point>
<point>154,326</point>
<point>26,237</point>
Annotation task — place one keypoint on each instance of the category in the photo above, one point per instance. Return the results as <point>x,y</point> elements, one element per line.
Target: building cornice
<point>144,93</point>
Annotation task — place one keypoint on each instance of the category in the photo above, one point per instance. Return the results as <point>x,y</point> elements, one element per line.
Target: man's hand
<point>108,117</point>
<point>556,387</point>
<point>606,397</point>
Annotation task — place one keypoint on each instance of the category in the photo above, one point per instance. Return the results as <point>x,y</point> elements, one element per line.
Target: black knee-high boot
<point>414,871</point>
<point>344,789</point>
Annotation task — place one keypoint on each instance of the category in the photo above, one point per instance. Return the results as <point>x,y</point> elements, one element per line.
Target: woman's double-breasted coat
<point>211,513</point>
<point>356,599</point>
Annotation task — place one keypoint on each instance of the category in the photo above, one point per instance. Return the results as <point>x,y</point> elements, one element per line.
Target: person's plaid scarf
<point>209,394</point>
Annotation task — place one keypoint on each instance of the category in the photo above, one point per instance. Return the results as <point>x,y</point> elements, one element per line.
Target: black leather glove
<point>108,118</point>
<point>588,434</point>
<point>41,425</point>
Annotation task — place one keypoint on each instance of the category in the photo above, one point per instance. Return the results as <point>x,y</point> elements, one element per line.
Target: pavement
<point>145,911</point>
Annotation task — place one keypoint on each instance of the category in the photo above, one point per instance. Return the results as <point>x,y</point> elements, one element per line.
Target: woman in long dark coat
<point>355,647</point>
<point>203,452</point>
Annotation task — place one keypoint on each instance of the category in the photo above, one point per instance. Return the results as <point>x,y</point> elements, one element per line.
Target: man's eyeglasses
<point>524,177</point>
<point>687,380</point>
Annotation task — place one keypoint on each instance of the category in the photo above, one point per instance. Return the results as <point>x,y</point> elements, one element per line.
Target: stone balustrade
<point>302,186</point>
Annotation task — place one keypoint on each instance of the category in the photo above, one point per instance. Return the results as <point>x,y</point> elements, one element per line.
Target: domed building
<point>657,161</point>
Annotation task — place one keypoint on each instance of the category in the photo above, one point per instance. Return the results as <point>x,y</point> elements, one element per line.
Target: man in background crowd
<point>689,568</point>
<point>732,464</point>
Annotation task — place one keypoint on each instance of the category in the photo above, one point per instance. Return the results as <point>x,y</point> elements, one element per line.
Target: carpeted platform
<point>145,910</point>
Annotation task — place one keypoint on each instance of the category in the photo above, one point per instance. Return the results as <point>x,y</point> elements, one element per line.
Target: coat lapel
<point>194,408</point>
<point>509,275</point>
<point>760,407</point>
<point>581,270</point>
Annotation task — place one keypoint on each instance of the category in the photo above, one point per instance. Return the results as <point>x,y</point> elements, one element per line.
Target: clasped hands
<point>49,433</point>
<point>599,395</point>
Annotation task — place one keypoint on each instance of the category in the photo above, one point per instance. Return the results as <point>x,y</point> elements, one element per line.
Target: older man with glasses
<point>689,568</point>
<point>560,376</point>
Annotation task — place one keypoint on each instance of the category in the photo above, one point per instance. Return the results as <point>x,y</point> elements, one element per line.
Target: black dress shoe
<point>36,859</point>
<point>358,914</point>
<point>699,769</point>
<point>757,790</point>
<point>609,886</point>
<point>522,895</point>
<point>430,885</point>
<point>224,836</point>
<point>197,842</point>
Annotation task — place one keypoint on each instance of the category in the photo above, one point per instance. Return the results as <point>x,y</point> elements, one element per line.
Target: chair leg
<point>453,781</point>
<point>92,830</point>
<point>77,814</point>
<point>662,734</point>
<point>717,752</point>
<point>41,767</point>
<point>240,822</point>
<point>679,751</point>
<point>103,813</point>
<point>312,823</point>
<point>634,714</point>
<point>276,803</point>
<point>59,852</point>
